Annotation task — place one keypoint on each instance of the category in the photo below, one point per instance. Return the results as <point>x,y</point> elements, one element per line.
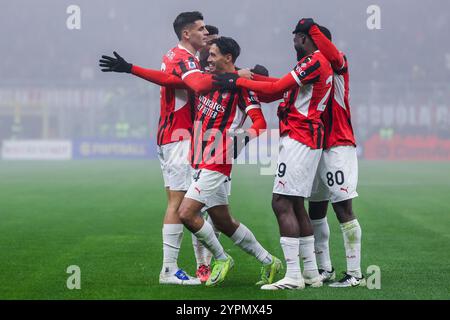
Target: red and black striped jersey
<point>176,113</point>
<point>216,113</point>
<point>337,117</point>
<point>300,112</point>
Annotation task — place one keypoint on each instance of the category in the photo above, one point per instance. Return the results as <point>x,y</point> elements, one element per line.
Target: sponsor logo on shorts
<point>198,190</point>
<point>344,189</point>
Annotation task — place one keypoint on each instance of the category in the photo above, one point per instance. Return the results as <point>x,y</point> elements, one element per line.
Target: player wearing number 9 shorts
<point>306,91</point>
<point>337,175</point>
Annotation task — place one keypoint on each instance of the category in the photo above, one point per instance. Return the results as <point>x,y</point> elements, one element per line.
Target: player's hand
<point>118,64</point>
<point>261,70</point>
<point>226,81</point>
<point>245,73</point>
<point>304,25</point>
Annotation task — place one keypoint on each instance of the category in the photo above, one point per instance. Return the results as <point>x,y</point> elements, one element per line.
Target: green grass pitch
<point>105,217</point>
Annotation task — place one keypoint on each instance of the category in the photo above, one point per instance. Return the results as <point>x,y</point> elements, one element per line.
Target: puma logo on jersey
<point>344,189</point>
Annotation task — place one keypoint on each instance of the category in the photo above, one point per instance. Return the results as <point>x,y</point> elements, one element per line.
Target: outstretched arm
<point>193,79</point>
<point>230,81</point>
<point>198,81</point>
<point>159,77</point>
<point>265,87</point>
<point>258,77</point>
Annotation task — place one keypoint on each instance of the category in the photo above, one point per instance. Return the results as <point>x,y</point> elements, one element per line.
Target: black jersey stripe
<point>293,96</point>
<point>170,122</point>
<point>310,70</point>
<point>211,123</point>
<point>319,136</point>
<point>228,110</point>
<point>182,67</point>
<point>162,129</point>
<point>199,139</point>
<point>311,127</point>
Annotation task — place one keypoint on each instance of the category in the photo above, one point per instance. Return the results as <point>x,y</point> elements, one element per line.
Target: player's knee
<point>279,205</point>
<point>344,211</point>
<point>184,214</point>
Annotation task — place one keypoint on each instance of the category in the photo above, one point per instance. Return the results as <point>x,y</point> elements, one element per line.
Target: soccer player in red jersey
<point>223,113</point>
<point>175,126</point>
<point>306,94</point>
<point>337,175</point>
<point>219,114</point>
<point>203,256</point>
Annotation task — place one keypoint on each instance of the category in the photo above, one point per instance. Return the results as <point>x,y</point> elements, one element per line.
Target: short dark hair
<point>184,19</point>
<point>325,32</point>
<point>212,29</point>
<point>228,45</point>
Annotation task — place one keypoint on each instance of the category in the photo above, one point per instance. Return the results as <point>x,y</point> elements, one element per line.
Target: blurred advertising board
<point>114,149</point>
<point>407,147</point>
<point>36,150</point>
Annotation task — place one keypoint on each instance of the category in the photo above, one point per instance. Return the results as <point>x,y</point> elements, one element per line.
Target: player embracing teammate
<point>315,114</point>
<point>337,175</point>
<point>317,156</point>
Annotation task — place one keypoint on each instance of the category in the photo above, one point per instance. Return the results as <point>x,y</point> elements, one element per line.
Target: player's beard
<point>300,53</point>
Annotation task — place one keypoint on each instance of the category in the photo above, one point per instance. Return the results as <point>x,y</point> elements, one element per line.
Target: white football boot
<point>313,281</point>
<point>180,277</point>
<point>349,281</point>
<point>285,284</point>
<point>327,275</point>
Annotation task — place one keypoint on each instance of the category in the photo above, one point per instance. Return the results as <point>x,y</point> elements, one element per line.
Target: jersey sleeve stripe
<point>294,75</point>
<point>311,69</point>
<point>188,73</point>
<point>253,106</point>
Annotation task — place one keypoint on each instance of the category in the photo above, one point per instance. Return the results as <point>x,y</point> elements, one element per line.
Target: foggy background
<point>51,87</point>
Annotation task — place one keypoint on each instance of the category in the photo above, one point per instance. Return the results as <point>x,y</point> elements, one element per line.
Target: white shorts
<point>297,165</point>
<point>175,165</point>
<point>337,175</point>
<point>209,187</point>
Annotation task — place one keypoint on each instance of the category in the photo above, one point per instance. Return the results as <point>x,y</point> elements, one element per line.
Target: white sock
<point>306,250</point>
<point>351,232</point>
<point>245,240</point>
<point>207,254</point>
<point>207,237</point>
<point>321,243</point>
<point>172,235</point>
<point>199,251</point>
<point>290,250</point>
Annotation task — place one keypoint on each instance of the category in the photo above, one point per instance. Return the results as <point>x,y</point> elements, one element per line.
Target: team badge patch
<point>192,65</point>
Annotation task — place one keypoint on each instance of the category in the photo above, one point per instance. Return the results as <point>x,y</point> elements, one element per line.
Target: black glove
<point>304,25</point>
<point>226,81</point>
<point>117,65</point>
<point>261,70</point>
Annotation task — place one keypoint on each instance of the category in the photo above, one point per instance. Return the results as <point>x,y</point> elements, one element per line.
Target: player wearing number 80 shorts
<point>337,175</point>
<point>307,90</point>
